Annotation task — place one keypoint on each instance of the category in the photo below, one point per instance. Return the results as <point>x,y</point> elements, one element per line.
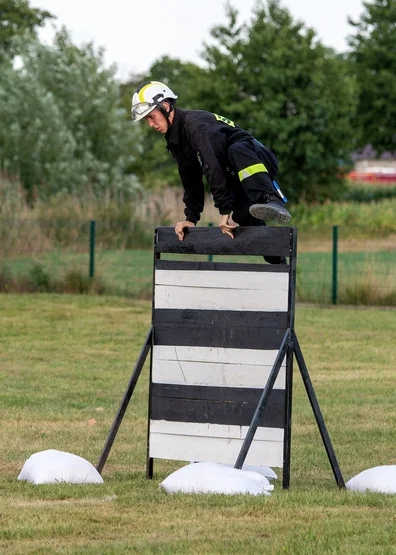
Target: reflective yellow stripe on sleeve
<point>251,170</point>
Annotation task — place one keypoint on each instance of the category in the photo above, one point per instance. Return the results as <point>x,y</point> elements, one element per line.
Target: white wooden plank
<point>214,430</point>
<point>257,281</point>
<point>215,355</point>
<point>182,372</point>
<point>173,297</point>
<point>220,450</point>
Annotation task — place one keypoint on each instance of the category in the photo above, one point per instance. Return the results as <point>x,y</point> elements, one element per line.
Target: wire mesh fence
<point>74,256</point>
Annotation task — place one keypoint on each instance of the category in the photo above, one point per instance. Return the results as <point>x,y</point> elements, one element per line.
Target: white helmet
<point>148,96</point>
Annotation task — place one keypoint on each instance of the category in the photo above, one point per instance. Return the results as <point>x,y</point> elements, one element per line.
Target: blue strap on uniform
<point>282,196</point>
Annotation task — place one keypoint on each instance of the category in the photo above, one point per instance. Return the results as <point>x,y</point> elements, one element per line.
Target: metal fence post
<point>92,233</point>
<point>335,257</point>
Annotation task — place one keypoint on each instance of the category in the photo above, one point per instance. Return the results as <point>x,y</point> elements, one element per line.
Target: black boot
<point>271,209</point>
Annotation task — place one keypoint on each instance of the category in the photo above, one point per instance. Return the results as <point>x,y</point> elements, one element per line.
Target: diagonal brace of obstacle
<point>290,341</point>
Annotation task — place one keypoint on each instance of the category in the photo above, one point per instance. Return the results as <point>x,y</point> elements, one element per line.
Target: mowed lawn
<point>65,362</point>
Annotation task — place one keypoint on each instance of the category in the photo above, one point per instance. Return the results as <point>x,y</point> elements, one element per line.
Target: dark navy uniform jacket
<point>199,142</point>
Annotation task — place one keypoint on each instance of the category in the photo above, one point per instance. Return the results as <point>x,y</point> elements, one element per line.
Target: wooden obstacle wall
<point>217,328</point>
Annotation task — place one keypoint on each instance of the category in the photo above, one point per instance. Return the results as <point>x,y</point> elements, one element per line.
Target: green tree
<point>17,18</point>
<point>275,79</point>
<point>35,143</point>
<point>374,61</point>
<point>63,128</point>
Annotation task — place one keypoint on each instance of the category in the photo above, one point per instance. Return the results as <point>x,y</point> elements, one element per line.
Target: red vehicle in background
<point>373,174</point>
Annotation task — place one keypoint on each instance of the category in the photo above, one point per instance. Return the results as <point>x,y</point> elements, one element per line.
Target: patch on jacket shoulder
<point>224,120</point>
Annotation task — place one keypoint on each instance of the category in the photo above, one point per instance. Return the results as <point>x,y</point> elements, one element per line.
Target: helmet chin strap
<point>166,113</point>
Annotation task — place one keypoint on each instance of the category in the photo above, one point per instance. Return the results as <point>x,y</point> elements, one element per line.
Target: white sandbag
<point>52,466</point>
<point>381,479</point>
<point>216,478</point>
<point>264,470</point>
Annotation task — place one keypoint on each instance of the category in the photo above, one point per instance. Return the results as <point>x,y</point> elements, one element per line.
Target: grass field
<point>65,363</point>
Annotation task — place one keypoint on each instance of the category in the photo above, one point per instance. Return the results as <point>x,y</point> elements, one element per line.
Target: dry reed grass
<point>62,220</point>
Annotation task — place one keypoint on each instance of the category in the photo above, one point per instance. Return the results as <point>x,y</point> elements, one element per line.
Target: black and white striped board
<point>217,331</point>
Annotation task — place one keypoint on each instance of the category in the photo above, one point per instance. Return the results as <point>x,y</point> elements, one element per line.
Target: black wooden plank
<point>234,413</point>
<point>221,335</point>
<point>219,266</point>
<point>213,393</point>
<point>255,240</point>
<point>248,319</point>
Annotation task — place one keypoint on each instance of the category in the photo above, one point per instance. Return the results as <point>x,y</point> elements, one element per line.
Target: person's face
<point>156,120</point>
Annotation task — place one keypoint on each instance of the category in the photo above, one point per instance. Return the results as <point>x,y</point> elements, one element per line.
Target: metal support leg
<point>263,401</point>
<point>125,400</point>
<point>288,417</point>
<point>317,412</point>
<point>149,468</point>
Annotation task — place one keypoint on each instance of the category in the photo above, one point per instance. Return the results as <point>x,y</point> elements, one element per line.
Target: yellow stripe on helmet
<point>144,89</point>
<point>251,170</point>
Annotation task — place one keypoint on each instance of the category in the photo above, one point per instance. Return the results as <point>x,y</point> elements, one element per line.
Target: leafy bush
<point>359,219</point>
<point>369,194</point>
<point>75,282</point>
<point>40,278</point>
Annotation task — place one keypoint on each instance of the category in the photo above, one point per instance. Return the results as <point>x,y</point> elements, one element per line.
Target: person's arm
<point>193,199</point>
<point>211,150</point>
<point>194,194</point>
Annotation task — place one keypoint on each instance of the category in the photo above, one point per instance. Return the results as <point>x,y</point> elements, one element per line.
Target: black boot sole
<point>270,211</point>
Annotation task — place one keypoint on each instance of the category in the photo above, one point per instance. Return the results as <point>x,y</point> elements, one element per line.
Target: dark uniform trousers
<point>252,189</point>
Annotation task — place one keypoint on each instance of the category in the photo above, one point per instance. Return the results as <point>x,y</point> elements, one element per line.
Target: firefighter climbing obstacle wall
<point>217,329</point>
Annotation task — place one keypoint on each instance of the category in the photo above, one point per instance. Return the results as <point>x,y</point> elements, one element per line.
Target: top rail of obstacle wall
<point>257,240</point>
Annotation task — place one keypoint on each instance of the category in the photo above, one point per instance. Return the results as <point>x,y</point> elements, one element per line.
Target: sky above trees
<point>135,34</point>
